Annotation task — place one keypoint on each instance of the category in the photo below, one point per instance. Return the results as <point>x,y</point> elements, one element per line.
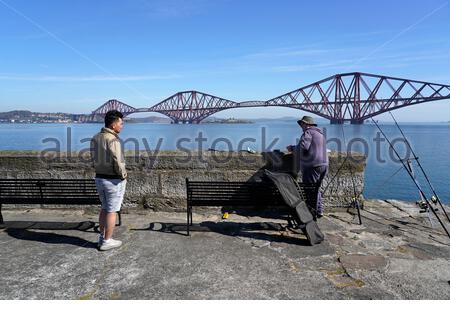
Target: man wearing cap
<point>310,156</point>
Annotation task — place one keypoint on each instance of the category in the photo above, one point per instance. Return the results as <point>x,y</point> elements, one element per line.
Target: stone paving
<point>396,254</point>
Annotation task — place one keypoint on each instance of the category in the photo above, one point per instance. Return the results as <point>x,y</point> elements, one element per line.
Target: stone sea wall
<point>157,181</point>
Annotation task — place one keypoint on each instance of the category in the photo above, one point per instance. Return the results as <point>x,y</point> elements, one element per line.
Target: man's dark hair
<point>111,117</point>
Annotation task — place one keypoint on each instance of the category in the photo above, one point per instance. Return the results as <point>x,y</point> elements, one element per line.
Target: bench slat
<point>244,194</point>
<point>49,192</point>
<point>50,201</point>
<point>12,182</point>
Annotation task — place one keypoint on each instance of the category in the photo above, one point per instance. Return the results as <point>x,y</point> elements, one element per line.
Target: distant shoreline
<point>218,123</point>
<point>29,117</point>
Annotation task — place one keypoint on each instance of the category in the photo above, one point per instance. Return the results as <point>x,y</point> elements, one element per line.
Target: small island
<point>226,121</point>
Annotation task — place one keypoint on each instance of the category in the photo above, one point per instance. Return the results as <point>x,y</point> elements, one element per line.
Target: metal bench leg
<point>118,224</point>
<point>189,215</point>
<point>1,216</point>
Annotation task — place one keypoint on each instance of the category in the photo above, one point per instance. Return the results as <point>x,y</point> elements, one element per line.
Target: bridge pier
<point>357,121</point>
<point>337,121</point>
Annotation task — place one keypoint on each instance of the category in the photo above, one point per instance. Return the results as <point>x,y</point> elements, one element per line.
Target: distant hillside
<point>16,114</point>
<point>26,116</point>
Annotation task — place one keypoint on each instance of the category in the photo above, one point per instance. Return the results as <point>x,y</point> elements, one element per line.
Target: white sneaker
<point>110,244</point>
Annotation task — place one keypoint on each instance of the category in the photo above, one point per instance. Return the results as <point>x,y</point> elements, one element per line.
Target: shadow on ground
<point>256,231</point>
<point>48,225</point>
<point>21,230</point>
<point>49,238</point>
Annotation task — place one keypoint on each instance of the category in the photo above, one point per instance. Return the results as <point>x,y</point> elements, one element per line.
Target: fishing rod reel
<point>423,205</point>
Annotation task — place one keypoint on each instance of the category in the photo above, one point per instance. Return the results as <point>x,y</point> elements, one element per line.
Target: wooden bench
<point>241,194</point>
<point>49,191</point>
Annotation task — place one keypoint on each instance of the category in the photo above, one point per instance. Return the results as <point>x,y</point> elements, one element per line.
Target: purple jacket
<point>311,151</point>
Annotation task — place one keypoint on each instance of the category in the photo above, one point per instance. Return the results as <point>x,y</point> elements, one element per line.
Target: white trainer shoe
<point>110,244</point>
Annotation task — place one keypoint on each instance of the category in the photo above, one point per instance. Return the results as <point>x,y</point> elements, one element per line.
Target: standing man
<point>110,176</point>
<point>310,155</point>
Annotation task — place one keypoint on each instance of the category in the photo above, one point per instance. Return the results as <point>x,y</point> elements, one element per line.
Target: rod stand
<point>355,204</point>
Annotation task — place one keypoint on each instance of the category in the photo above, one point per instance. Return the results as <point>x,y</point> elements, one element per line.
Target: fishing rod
<point>420,166</point>
<point>412,178</point>
<point>336,174</point>
<point>382,183</point>
<point>355,197</point>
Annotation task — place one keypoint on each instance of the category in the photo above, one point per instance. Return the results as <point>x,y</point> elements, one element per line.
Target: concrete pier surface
<point>395,254</point>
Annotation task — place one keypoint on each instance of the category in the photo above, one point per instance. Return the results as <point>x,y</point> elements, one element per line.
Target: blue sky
<point>72,56</point>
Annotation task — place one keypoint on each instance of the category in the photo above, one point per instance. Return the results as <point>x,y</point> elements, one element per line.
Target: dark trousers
<point>316,175</point>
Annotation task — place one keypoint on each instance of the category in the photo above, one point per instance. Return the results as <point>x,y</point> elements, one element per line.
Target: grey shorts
<point>111,192</point>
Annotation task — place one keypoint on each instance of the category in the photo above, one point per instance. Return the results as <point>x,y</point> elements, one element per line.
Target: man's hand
<point>290,148</point>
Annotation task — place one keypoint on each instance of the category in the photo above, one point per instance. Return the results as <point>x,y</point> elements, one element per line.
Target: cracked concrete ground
<point>396,254</point>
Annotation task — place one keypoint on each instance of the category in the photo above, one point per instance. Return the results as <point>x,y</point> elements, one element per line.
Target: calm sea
<point>430,141</point>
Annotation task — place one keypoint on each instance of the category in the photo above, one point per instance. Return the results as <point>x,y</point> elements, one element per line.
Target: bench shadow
<point>255,230</point>
<point>48,225</point>
<point>21,230</point>
<point>49,238</point>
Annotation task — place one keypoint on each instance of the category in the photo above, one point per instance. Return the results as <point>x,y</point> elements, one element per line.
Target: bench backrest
<point>219,193</point>
<point>48,191</point>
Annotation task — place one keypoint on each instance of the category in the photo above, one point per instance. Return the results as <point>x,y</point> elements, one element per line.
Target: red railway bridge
<point>350,97</point>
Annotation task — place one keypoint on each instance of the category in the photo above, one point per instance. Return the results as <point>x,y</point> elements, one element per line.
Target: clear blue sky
<point>71,56</point>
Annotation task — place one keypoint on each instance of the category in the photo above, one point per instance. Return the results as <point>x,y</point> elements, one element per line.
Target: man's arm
<point>305,141</point>
<point>93,150</point>
<point>118,158</point>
